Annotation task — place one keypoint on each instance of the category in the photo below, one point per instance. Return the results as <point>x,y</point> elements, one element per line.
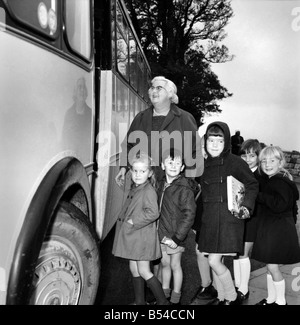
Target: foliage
<point>181,39</point>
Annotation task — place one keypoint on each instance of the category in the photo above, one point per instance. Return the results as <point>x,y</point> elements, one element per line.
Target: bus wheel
<point>68,266</point>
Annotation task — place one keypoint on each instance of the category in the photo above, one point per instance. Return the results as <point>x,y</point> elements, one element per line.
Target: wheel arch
<point>66,180</point>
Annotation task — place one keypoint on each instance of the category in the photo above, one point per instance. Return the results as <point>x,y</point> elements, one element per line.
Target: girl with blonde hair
<point>136,237</point>
<point>276,240</point>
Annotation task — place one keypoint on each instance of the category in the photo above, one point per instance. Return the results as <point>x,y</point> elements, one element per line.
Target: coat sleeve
<point>126,145</point>
<point>149,211</point>
<point>194,159</point>
<point>188,212</point>
<point>280,199</point>
<point>246,176</point>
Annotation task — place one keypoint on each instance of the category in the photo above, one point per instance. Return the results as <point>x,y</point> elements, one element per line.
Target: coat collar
<point>140,187</point>
<point>147,118</point>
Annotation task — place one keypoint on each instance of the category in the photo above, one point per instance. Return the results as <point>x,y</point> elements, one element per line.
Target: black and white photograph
<point>121,122</point>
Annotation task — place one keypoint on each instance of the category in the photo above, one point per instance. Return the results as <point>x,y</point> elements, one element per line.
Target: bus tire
<point>68,266</point>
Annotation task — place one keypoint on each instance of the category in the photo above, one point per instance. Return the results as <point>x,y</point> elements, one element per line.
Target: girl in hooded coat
<point>222,233</point>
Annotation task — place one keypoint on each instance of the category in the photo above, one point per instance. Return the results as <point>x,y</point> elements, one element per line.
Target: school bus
<point>72,77</point>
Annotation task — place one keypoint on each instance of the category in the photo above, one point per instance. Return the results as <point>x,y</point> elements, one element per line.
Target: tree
<point>181,39</point>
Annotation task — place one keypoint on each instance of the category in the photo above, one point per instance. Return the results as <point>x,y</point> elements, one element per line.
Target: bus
<point>72,77</point>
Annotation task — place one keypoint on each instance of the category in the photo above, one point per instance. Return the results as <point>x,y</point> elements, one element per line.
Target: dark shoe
<point>174,303</point>
<point>151,301</point>
<point>242,297</point>
<point>220,302</point>
<point>156,288</point>
<point>231,302</point>
<point>167,303</point>
<point>264,303</point>
<point>204,296</point>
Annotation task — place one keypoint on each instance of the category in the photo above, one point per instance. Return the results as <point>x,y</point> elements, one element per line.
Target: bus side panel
<point>118,106</point>
<point>35,99</point>
<point>113,124</point>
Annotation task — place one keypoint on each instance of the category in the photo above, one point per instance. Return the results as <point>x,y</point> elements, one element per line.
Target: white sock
<point>280,292</point>
<point>245,267</point>
<point>237,272</point>
<point>228,285</point>
<point>218,285</point>
<point>271,289</point>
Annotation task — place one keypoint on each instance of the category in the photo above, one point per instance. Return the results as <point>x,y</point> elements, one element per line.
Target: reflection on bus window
<point>140,66</point>
<point>113,46</point>
<point>121,20</point>
<point>122,55</point>
<point>77,123</point>
<point>77,26</point>
<point>132,62</point>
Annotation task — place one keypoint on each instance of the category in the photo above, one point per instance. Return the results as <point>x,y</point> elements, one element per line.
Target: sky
<point>264,76</point>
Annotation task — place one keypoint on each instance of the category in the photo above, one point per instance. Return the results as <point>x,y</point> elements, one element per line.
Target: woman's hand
<point>120,178</point>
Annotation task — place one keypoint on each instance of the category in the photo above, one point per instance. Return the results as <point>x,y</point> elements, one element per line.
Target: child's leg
<point>215,261</point>
<point>156,264</point>
<point>166,273</point>
<point>177,277</point>
<point>279,283</point>
<point>177,271</point>
<point>133,268</point>
<point>144,269</point>
<point>152,282</point>
<point>237,272</point>
<point>138,284</point>
<point>204,269</point>
<point>245,269</point>
<point>219,286</point>
<point>271,289</point>
<point>207,293</point>
<point>157,271</point>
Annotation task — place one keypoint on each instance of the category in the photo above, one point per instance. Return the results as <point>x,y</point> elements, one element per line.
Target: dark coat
<point>277,240</point>
<point>177,120</point>
<point>178,209</point>
<point>138,241</point>
<point>220,231</point>
<point>236,142</point>
<point>251,224</point>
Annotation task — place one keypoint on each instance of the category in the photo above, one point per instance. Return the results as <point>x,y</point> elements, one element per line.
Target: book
<point>235,194</point>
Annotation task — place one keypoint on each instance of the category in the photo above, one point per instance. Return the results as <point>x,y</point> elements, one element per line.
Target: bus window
<point>122,55</point>
<point>122,44</point>
<point>78,27</point>
<point>140,68</point>
<point>113,45</point>
<point>121,20</point>
<point>41,16</point>
<point>133,63</point>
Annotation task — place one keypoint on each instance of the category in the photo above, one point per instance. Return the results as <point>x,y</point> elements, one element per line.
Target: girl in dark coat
<point>222,233</point>
<point>136,235</point>
<point>249,152</point>
<point>276,241</point>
